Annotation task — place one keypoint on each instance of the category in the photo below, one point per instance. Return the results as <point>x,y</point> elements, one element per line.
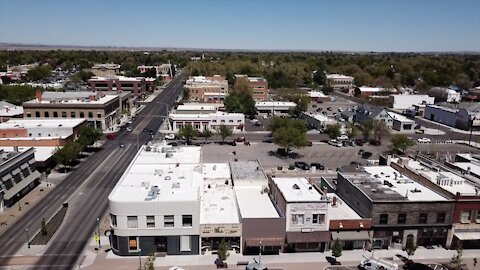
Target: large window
<point>168,221</point>
<point>422,219</point>
<point>383,219</point>
<point>72,115</point>
<point>113,220</point>
<point>132,243</point>
<point>64,114</point>
<point>115,242</point>
<point>46,114</point>
<point>37,114</point>
<point>187,220</point>
<point>318,219</point>
<point>441,217</point>
<point>132,222</point>
<point>465,216</point>
<point>185,243</point>
<point>298,218</point>
<point>90,114</point>
<point>55,114</point>
<point>82,115</point>
<point>402,218</point>
<point>150,221</point>
<point>478,216</point>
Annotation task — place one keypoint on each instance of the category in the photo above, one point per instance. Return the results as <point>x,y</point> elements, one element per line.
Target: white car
<point>424,140</point>
<point>129,129</point>
<point>335,143</point>
<point>170,136</point>
<point>342,138</point>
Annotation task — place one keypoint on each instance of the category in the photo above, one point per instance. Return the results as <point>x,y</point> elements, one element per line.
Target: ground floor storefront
<point>145,245</point>
<point>307,241</point>
<point>351,240</point>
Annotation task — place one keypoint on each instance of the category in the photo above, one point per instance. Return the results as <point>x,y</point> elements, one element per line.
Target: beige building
<point>106,69</point>
<point>100,110</point>
<point>207,89</point>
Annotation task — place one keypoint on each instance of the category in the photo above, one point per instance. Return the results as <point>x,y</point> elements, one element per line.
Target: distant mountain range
<point>23,46</point>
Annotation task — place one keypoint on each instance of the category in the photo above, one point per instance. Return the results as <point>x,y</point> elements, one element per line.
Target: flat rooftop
<point>388,184</point>
<point>338,76</point>
<point>67,98</point>
<point>297,189</point>
<point>42,153</point>
<point>340,210</point>
<point>370,89</point>
<point>247,170</point>
<point>7,109</point>
<point>316,94</point>
<point>254,203</point>
<point>218,202</point>
<point>161,173</point>
<point>448,181</point>
<point>400,117</point>
<point>196,107</point>
<point>39,123</point>
<point>274,103</point>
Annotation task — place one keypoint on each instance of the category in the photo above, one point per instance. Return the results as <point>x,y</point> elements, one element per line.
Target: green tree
<point>242,102</point>
<point>187,132</point>
<point>380,129</point>
<point>410,246</point>
<point>88,135</point>
<point>222,250</point>
<point>353,131</point>
<point>319,77</point>
<point>224,132</point>
<point>206,133</point>
<point>456,260</point>
<point>150,262</point>
<point>288,133</point>
<point>43,227</point>
<point>337,248</point>
<point>367,128</point>
<point>83,76</point>
<point>40,72</point>
<point>333,131</point>
<point>241,86</point>
<point>16,94</point>
<point>400,142</point>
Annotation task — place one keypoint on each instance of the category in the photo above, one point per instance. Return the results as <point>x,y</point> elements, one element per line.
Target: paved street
<point>86,190</point>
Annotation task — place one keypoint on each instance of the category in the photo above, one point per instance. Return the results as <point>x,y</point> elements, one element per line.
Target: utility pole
<point>140,259</point>
<point>260,253</point>
<point>28,238</point>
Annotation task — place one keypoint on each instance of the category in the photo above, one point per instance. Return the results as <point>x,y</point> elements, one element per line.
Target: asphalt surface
<point>86,190</point>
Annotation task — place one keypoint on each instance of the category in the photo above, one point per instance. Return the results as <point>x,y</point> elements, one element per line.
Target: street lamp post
<point>140,259</point>
<point>260,254</point>
<point>28,238</point>
<point>98,231</point>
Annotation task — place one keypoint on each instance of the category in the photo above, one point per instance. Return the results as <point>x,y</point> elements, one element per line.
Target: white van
<point>377,264</point>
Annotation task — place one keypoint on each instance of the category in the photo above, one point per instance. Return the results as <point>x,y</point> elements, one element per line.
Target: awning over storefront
<point>351,235</point>
<point>253,242</point>
<point>468,235</point>
<point>308,237</point>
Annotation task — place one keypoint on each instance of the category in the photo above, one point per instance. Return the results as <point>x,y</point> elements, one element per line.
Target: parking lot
<point>331,108</point>
<point>329,156</point>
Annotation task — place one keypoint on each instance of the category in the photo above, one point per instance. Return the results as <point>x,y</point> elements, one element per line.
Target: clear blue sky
<point>355,25</point>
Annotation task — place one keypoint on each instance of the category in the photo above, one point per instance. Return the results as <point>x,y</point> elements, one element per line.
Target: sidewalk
<point>288,261</point>
<point>11,214</point>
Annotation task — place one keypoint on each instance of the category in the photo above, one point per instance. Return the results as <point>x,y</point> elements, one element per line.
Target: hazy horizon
<point>342,26</point>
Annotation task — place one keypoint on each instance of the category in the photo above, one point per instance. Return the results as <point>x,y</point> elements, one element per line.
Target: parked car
<point>268,141</point>
<point>318,166</point>
<point>332,260</point>
<point>257,124</point>
<point>122,145</point>
<point>329,108</point>
<point>170,136</point>
<point>361,151</point>
<point>309,143</point>
<point>375,142</point>
<point>302,165</point>
<point>352,143</point>
<point>420,131</point>
<point>128,129</point>
<point>360,142</point>
<point>342,137</point>
<point>424,140</point>
<point>240,139</point>
<point>145,130</point>
<point>335,143</point>
<point>367,155</point>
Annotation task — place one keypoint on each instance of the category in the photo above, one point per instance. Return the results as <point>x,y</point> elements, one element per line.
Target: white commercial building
<point>155,206</point>
<point>403,102</point>
<point>212,121</point>
<point>273,107</point>
<point>40,128</point>
<point>339,81</point>
<point>219,215</point>
<point>400,122</point>
<point>305,210</point>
